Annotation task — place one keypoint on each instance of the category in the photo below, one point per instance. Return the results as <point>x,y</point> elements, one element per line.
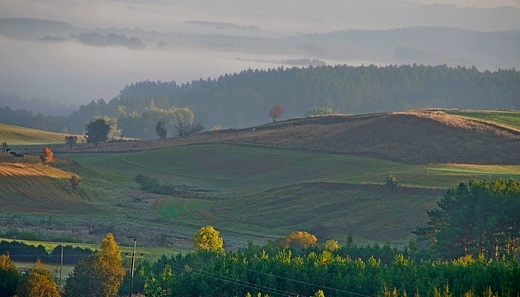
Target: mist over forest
<point>68,53</point>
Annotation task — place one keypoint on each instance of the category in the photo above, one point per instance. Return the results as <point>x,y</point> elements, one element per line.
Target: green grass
<point>15,135</point>
<point>507,118</point>
<point>266,191</point>
<point>248,192</point>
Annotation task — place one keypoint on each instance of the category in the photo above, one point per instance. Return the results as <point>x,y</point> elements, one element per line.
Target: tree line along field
<point>237,182</point>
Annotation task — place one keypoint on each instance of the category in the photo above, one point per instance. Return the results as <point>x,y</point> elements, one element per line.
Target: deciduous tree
<point>39,282</point>
<point>208,239</point>
<point>276,112</point>
<point>391,182</point>
<point>71,140</point>
<point>184,123</point>
<point>97,131</point>
<point>160,130</point>
<point>47,156</point>
<point>299,239</point>
<point>74,182</point>
<point>99,274</point>
<point>9,276</point>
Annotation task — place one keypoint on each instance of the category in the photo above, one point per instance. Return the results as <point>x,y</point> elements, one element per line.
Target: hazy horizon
<point>75,73</point>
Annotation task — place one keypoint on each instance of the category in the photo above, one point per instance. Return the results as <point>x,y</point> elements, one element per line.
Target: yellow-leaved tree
<point>39,282</point>
<point>9,276</point>
<point>99,274</point>
<point>208,239</point>
<point>299,240</point>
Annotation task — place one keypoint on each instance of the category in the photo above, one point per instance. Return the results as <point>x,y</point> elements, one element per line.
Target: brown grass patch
<point>416,137</point>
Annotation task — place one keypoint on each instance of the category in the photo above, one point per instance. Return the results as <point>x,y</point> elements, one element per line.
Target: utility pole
<point>61,266</point>
<point>133,265</point>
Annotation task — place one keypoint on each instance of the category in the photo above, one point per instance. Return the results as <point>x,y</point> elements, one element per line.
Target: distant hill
<point>427,136</point>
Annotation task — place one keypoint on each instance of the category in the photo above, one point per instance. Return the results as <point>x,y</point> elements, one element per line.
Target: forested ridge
<point>244,99</point>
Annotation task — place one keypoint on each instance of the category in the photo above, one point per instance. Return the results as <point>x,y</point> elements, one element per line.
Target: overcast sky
<point>161,15</point>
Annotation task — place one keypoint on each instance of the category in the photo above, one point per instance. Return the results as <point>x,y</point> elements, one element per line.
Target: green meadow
<point>250,192</point>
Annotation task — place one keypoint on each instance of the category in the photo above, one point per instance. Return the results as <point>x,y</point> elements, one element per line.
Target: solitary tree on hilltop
<point>47,156</point>
<point>71,140</point>
<point>97,131</point>
<point>160,130</point>
<point>276,112</point>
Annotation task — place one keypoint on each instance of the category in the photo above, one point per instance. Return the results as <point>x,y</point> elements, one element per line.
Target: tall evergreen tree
<point>475,218</point>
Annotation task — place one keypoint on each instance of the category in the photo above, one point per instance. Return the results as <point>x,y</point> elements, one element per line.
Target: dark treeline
<point>244,99</point>
<point>19,251</point>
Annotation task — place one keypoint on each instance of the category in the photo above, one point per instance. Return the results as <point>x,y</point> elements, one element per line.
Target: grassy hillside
<point>325,175</point>
<point>15,135</point>
<point>251,191</point>
<point>419,137</point>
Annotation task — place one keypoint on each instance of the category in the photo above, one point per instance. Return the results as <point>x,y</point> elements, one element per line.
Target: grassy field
<point>257,190</point>
<point>507,118</point>
<point>18,136</point>
<point>253,187</point>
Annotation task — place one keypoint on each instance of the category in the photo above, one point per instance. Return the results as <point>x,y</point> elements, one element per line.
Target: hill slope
<point>320,174</point>
<point>16,135</point>
<point>415,136</point>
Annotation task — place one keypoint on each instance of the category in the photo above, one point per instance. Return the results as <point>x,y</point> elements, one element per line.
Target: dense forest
<point>244,99</point>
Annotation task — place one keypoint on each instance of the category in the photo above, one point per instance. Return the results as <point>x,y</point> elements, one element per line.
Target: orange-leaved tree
<point>74,182</point>
<point>276,112</point>
<point>47,156</point>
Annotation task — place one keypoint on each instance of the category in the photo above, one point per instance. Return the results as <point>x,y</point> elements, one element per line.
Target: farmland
<point>325,175</point>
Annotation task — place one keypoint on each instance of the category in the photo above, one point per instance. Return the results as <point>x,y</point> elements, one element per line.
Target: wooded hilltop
<point>244,99</point>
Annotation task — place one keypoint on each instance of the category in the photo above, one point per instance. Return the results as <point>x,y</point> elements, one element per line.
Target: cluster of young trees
<point>319,269</point>
<point>37,282</point>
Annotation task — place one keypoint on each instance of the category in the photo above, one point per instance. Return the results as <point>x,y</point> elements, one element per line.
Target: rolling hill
<point>16,135</point>
<point>423,137</point>
<point>325,175</point>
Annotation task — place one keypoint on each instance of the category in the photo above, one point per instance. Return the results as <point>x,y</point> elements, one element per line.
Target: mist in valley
<point>186,40</point>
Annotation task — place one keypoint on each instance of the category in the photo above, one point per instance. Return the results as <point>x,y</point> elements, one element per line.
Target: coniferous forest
<point>244,99</point>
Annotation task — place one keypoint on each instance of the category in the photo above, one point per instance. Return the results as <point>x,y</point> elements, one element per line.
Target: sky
<point>74,73</point>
